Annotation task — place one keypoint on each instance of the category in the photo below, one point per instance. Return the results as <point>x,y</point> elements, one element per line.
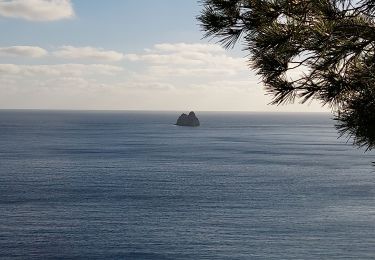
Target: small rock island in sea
<point>188,120</point>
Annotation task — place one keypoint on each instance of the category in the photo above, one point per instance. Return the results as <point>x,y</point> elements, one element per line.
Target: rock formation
<point>188,120</point>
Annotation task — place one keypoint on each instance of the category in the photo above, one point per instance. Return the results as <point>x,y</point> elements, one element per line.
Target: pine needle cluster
<point>305,50</point>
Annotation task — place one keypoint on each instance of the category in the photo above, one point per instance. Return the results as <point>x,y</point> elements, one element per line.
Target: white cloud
<point>23,51</point>
<point>163,76</point>
<point>37,10</point>
<point>58,70</point>
<point>163,59</point>
<point>166,71</point>
<point>71,52</point>
<point>64,52</point>
<point>186,47</point>
<point>185,57</point>
<point>6,69</point>
<point>145,85</point>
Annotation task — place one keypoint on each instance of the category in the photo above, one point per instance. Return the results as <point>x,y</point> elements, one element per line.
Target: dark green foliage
<point>329,45</point>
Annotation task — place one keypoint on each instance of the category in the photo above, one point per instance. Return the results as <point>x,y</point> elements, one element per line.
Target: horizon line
<point>157,110</point>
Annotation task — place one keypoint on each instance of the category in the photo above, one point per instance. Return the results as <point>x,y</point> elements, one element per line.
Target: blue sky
<point>127,25</point>
<point>120,54</point>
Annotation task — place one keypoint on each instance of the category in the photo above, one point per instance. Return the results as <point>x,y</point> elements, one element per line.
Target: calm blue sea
<point>131,185</point>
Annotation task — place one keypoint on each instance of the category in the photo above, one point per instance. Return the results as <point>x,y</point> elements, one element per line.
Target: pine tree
<point>307,49</point>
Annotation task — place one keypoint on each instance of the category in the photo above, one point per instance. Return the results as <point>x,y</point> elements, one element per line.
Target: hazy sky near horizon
<point>121,54</point>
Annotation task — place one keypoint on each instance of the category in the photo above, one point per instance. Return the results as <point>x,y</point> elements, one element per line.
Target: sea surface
<point>131,185</point>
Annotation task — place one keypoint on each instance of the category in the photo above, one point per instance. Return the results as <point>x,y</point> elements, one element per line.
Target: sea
<point>132,185</point>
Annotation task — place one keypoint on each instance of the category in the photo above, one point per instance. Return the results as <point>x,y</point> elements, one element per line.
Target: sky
<point>122,55</point>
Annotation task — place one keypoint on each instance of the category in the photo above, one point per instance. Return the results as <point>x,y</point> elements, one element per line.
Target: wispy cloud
<point>180,67</point>
<point>91,53</point>
<point>195,58</point>
<point>58,70</point>
<point>188,47</point>
<point>23,51</point>
<point>165,76</point>
<point>164,67</point>
<point>37,10</point>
